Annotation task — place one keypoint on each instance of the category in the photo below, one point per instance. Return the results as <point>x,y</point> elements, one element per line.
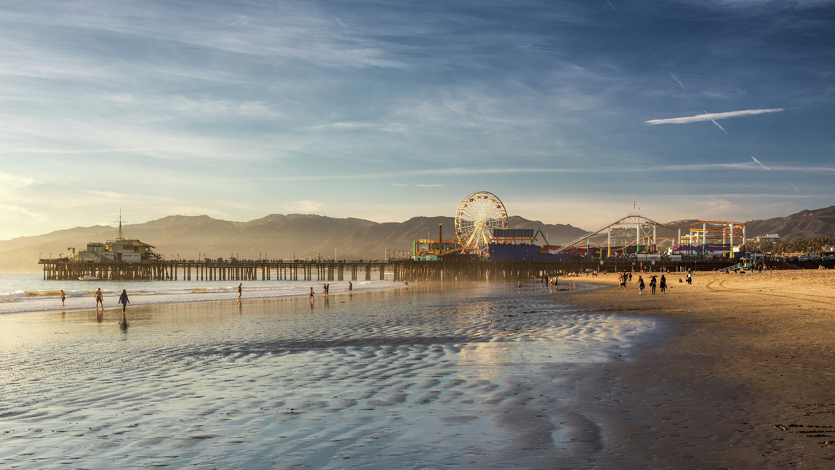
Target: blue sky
<point>567,110</point>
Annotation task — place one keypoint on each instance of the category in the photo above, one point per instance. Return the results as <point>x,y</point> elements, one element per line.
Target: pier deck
<point>340,270</point>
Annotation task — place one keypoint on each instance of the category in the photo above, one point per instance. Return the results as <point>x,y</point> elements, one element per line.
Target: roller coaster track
<point>639,219</point>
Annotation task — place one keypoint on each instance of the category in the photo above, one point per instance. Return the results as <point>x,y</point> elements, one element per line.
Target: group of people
<point>326,291</point>
<point>124,300</point>
<point>99,296</point>
<point>626,278</point>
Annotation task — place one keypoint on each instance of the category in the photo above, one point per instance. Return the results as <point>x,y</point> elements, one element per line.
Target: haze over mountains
<point>274,236</point>
<point>311,236</point>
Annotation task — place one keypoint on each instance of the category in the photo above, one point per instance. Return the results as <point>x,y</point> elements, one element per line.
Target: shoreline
<point>188,294</point>
<point>742,379</point>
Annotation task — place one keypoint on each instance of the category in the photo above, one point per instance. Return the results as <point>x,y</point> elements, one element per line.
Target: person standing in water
<point>99,300</point>
<point>240,290</point>
<point>63,297</point>
<point>350,288</point>
<point>123,299</point>
<point>312,299</point>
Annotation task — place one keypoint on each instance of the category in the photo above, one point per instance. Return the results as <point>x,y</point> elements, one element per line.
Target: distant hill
<point>274,236</point>
<point>310,236</point>
<point>804,224</point>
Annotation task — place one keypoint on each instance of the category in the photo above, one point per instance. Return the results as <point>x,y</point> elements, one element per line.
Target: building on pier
<point>119,251</point>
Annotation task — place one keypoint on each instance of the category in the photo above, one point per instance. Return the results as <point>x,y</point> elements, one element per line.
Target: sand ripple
<point>468,378</point>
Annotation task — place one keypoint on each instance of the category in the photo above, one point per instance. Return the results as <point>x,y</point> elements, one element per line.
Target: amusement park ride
<point>481,220</point>
<point>705,238</point>
<point>481,228</point>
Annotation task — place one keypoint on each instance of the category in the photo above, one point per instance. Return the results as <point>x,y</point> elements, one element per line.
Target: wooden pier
<point>341,270</point>
<point>210,270</point>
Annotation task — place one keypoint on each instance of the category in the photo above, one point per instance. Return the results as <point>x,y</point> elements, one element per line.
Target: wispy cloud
<point>615,169</point>
<point>713,116</point>
<point>9,181</point>
<point>303,206</point>
<point>419,185</point>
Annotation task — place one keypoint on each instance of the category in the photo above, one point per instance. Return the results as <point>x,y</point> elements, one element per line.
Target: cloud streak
<point>713,116</point>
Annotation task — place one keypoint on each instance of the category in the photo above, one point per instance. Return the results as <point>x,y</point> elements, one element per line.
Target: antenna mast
<point>120,237</point>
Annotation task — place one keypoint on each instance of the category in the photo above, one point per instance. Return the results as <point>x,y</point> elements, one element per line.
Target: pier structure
<point>342,270</point>
<point>213,270</point>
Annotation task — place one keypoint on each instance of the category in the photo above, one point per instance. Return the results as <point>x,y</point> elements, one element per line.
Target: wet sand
<point>469,376</point>
<point>734,371</point>
<point>743,379</point>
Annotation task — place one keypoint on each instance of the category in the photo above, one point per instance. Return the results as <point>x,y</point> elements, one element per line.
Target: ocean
<point>21,293</point>
<point>464,375</point>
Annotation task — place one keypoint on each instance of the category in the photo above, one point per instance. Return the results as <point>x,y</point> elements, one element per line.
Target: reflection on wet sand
<point>425,377</point>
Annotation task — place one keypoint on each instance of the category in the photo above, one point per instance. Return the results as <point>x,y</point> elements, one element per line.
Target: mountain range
<point>274,237</point>
<point>311,236</point>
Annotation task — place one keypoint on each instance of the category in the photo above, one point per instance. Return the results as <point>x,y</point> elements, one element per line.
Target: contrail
<point>677,80</point>
<point>646,46</point>
<point>760,164</point>
<point>717,124</point>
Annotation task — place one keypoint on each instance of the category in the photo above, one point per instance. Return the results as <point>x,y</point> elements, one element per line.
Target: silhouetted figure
<point>123,299</point>
<point>99,300</point>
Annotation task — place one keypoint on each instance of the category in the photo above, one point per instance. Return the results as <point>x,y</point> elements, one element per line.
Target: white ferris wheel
<point>479,214</point>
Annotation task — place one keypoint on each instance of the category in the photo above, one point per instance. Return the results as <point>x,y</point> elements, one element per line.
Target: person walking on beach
<point>652,283</point>
<point>690,276</point>
<point>663,284</point>
<point>240,291</point>
<point>63,297</point>
<point>312,299</point>
<point>350,288</point>
<point>622,280</point>
<point>641,285</point>
<point>123,299</point>
<point>99,300</point>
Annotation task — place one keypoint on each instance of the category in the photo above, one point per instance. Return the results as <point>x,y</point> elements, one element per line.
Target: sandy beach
<point>744,377</point>
<point>734,371</point>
